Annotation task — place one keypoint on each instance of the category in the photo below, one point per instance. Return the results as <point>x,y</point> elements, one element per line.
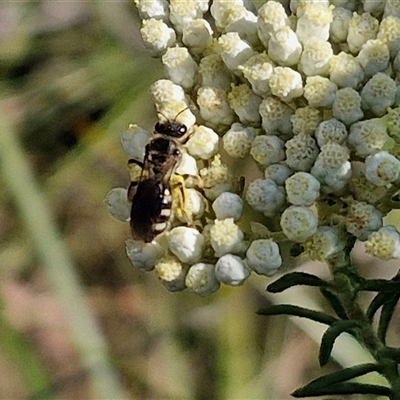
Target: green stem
<point>54,256</point>
<point>345,281</point>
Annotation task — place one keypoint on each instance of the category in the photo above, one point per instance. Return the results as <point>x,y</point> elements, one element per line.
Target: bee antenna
<point>176,116</point>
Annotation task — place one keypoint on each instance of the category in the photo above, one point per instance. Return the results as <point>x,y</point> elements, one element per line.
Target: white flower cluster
<point>305,91</point>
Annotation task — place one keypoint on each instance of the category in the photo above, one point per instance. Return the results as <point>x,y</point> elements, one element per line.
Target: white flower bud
<point>237,140</point>
<point>186,243</point>
<point>305,120</point>
<point>234,51</point>
<point>267,149</point>
<point>187,165</point>
<point>320,91</point>
<point>374,57</point>
<point>298,223</point>
<point>263,257</point>
<point>379,93</point>
<point>278,173</point>
<point>180,66</point>
<point>228,205</point>
<point>271,17</point>
<point>143,255</point>
<point>183,12</point>
<point>315,57</point>
<point>284,48</point>
<point>362,219</point>
<point>265,196</point>
<point>214,107</point>
<point>201,279</point>
<point>392,8</point>
<point>231,270</point>
<point>345,70</point>
<point>118,204</point>
<point>331,130</point>
<point>286,83</point>
<point>203,143</point>
<point>384,243</point>
<point>332,168</point>
<point>301,152</point>
<point>197,35</point>
<point>276,116</point>
<point>243,21</point>
<point>367,137</point>
<point>158,9</point>
<point>257,70</point>
<point>314,22</point>
<point>364,190</point>
<point>302,189</point>
<point>382,168</point>
<point>389,32</point>
<point>134,141</point>
<point>214,73</point>
<point>325,243</point>
<point>361,28</point>
<point>226,237</point>
<point>339,28</point>
<point>165,91</point>
<point>157,35</point>
<point>245,103</point>
<point>347,106</point>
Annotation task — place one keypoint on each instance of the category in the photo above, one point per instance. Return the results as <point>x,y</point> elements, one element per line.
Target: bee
<point>151,195</point>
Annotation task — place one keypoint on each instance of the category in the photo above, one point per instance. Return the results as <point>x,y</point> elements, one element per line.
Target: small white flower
<point>241,20</point>
<point>263,256</point>
<point>180,66</point>
<point>302,189</point>
<point>265,196</point>
<point>165,91</point>
<point>320,91</point>
<point>184,12</point>
<point>187,165</point>
<point>379,93</point>
<point>361,28</point>
<point>237,140</point>
<point>301,152</point>
<point>298,223</point>
<point>278,173</point>
<point>347,106</point>
<point>286,83</point>
<point>171,273</point>
<point>362,219</point>
<point>325,243</point>
<point>201,279</point>
<point>276,117</point>
<point>186,243</point>
<point>339,28</point>
<point>382,168</point>
<point>374,57</point>
<point>143,255</point>
<point>228,205</point>
<point>306,120</point>
<point>389,32</point>
<point>284,48</point>
<point>315,57</point>
<point>245,103</point>
<point>331,130</point>
<point>345,70</point>
<point>193,205</point>
<point>118,204</point>
<point>226,237</point>
<point>231,270</point>
<point>214,73</point>
<point>203,143</point>
<point>384,243</point>
<point>267,149</point>
<point>157,35</point>
<point>158,9</point>
<point>197,35</point>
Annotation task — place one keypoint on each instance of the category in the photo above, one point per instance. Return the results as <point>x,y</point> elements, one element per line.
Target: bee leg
<point>178,187</point>
<point>136,162</point>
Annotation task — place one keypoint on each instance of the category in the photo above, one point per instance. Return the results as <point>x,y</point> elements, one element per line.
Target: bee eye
<point>182,129</point>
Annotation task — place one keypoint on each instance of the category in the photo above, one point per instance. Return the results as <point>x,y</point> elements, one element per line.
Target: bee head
<point>173,129</point>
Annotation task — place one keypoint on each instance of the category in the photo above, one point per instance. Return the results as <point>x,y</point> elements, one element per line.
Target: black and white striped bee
<point>151,195</point>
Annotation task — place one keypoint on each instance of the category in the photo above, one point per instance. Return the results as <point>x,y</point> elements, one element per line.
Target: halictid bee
<point>151,195</point>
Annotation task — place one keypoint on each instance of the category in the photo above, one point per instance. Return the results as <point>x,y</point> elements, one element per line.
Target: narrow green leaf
<point>380,285</point>
<point>343,388</point>
<point>288,309</point>
<point>294,279</point>
<point>334,302</point>
<point>386,316</point>
<point>330,335</point>
<point>334,379</point>
<point>376,304</point>
<point>391,353</point>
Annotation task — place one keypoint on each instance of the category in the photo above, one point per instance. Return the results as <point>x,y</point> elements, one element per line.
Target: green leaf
<point>376,304</point>
<point>344,388</point>
<point>334,302</point>
<point>379,285</point>
<point>330,335</point>
<point>391,353</point>
<point>288,309</point>
<point>386,316</point>
<point>327,384</point>
<point>293,279</point>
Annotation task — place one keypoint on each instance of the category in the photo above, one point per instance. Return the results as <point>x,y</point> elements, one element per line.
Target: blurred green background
<point>77,320</point>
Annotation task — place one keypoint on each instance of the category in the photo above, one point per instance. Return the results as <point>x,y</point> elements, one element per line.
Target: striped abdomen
<point>151,209</point>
